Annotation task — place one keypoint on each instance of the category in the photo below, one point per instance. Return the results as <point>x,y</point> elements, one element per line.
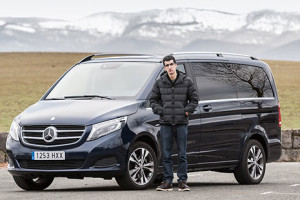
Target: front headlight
<point>15,129</point>
<point>107,127</point>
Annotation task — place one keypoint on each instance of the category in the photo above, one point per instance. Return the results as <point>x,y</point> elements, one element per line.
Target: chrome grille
<point>66,135</point>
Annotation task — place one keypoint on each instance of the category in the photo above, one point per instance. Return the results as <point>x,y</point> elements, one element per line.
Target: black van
<point>96,121</point>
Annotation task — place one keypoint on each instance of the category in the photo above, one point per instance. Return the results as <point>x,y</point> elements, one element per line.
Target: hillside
<point>263,34</point>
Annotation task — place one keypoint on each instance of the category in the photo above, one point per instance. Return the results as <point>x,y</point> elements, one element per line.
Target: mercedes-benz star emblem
<point>50,134</point>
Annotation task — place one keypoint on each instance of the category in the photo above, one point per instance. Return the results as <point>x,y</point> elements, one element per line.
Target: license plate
<point>48,155</point>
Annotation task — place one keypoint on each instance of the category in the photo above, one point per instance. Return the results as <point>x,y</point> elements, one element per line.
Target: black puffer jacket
<point>172,100</point>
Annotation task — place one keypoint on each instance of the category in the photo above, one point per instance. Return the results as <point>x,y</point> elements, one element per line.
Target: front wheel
<point>141,168</point>
<point>39,183</point>
<point>252,167</point>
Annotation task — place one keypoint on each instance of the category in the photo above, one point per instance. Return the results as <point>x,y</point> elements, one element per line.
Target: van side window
<point>214,81</point>
<point>251,81</point>
<point>180,67</point>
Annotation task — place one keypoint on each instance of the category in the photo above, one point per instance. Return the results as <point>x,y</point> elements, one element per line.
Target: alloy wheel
<point>255,162</point>
<point>141,166</point>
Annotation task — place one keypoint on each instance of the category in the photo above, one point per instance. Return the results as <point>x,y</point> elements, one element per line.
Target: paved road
<point>282,181</point>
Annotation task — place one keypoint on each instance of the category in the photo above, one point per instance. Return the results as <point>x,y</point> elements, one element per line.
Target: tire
<point>251,169</point>
<point>39,183</point>
<point>141,168</point>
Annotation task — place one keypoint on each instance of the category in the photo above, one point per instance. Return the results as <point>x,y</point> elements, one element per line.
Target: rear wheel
<point>39,183</point>
<point>141,167</point>
<point>252,167</point>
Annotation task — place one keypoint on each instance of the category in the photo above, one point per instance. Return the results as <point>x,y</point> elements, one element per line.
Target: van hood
<point>76,112</point>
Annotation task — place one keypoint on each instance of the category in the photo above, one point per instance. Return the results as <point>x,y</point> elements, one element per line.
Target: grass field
<point>286,74</point>
<point>25,77</point>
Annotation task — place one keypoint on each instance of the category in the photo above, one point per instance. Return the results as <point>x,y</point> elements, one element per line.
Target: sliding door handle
<point>207,108</point>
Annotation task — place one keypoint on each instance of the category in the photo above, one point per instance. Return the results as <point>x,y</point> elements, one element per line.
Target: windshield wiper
<point>55,99</point>
<point>88,96</point>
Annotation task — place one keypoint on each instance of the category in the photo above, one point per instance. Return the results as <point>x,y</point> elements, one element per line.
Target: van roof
<point>158,58</point>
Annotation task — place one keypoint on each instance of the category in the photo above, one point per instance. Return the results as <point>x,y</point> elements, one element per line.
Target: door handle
<point>207,108</point>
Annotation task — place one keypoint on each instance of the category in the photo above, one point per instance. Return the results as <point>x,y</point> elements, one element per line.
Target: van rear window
<point>229,81</point>
<point>251,81</point>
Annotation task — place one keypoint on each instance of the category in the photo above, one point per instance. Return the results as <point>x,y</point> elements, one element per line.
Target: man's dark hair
<point>168,58</point>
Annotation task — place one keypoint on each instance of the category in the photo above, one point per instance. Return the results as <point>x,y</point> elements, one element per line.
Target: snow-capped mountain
<point>159,31</point>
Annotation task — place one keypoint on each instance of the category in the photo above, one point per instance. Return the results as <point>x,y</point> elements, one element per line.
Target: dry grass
<point>25,77</point>
<point>286,74</point>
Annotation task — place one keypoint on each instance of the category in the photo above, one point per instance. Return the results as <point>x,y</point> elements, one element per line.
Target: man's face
<point>170,67</point>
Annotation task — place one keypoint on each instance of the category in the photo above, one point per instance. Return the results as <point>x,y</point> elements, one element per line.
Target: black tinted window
<point>251,81</point>
<point>214,81</point>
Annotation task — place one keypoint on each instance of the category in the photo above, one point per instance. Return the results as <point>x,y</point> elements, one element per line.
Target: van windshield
<point>113,79</point>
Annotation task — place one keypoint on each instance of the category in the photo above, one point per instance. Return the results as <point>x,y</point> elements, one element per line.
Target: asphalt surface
<point>281,181</point>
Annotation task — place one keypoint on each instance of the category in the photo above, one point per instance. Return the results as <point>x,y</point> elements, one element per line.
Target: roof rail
<point>111,55</point>
<point>219,54</point>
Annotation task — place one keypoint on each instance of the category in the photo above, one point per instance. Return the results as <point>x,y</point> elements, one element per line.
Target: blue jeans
<point>167,133</point>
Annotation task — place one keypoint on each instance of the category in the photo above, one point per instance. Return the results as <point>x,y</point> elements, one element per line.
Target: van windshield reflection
<point>103,80</point>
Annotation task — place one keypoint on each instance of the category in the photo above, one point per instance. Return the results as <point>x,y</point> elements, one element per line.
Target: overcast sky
<point>75,9</point>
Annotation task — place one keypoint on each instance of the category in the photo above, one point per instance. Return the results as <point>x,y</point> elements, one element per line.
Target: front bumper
<point>104,157</point>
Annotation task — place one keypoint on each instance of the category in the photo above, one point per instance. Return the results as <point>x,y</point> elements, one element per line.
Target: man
<point>174,98</point>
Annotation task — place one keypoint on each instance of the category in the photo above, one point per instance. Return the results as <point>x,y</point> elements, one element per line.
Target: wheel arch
<point>148,139</point>
<point>261,138</point>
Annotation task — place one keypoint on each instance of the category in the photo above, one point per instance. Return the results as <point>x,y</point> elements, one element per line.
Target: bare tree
<point>240,76</point>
